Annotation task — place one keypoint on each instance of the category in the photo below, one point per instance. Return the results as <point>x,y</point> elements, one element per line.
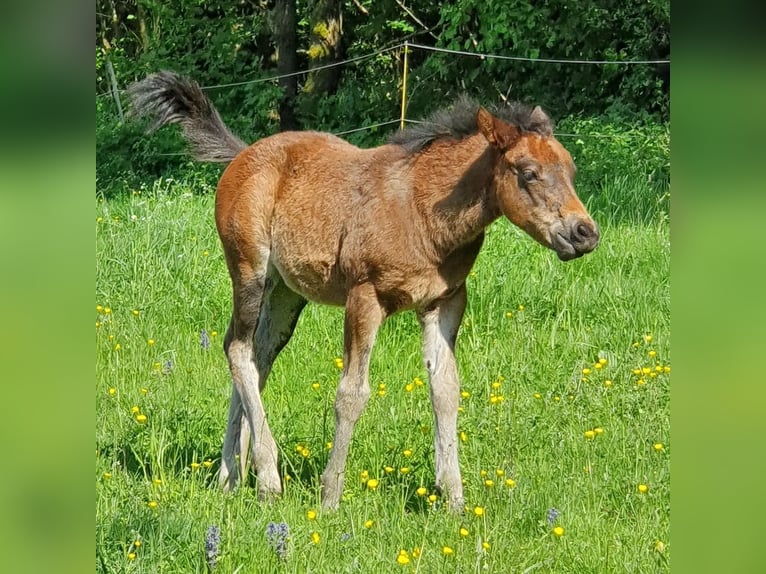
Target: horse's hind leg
<point>440,326</point>
<point>278,315</point>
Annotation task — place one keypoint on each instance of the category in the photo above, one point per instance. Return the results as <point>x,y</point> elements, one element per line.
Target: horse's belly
<point>316,278</point>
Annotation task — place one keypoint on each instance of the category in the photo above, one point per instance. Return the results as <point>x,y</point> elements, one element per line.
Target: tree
<point>285,34</point>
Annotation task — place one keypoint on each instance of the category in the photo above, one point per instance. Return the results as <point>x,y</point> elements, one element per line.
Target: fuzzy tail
<point>167,98</point>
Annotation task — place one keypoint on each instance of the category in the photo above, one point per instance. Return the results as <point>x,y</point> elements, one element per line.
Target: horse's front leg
<point>364,315</point>
<point>440,323</point>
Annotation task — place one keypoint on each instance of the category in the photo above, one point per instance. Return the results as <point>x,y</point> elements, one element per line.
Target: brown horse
<point>307,216</point>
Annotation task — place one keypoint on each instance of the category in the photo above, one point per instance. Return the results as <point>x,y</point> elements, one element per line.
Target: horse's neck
<point>452,185</point>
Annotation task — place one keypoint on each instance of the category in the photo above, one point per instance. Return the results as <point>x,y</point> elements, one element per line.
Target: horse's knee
<point>351,400</point>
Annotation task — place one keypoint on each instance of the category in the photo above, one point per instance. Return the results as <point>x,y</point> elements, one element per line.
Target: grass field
<point>564,419</point>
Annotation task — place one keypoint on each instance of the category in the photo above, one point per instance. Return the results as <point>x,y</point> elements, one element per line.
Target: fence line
<point>540,60</point>
<point>301,72</point>
<point>480,55</point>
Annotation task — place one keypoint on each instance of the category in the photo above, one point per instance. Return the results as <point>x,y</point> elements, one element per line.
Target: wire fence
<point>407,46</point>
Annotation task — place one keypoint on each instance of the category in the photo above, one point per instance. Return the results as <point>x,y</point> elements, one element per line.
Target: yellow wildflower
<point>389,469</point>
<point>131,556</point>
<point>589,434</point>
<point>152,504</point>
<point>659,447</point>
<point>403,558</point>
<point>559,531</point>
<point>315,538</point>
<point>421,491</point>
<point>112,391</point>
<point>586,371</point>
<point>447,551</point>
<point>643,489</point>
<point>408,387</point>
<point>510,483</point>
<point>311,514</point>
<point>485,545</point>
<point>478,510</point>
<point>135,312</point>
<point>315,386</point>
<point>432,498</point>
<point>207,463</point>
<point>339,362</point>
<point>464,532</point>
<point>407,452</point>
<point>107,475</point>
<point>368,524</point>
<point>607,383</point>
<point>404,469</point>
<point>372,484</point>
<point>598,430</point>
<point>141,419</point>
<point>489,483</point>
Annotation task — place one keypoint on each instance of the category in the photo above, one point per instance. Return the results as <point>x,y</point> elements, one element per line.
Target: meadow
<point>564,417</point>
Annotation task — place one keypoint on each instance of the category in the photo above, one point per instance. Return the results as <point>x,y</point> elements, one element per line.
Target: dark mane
<point>459,121</point>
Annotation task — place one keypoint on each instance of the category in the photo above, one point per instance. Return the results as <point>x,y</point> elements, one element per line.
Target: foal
<point>307,216</point>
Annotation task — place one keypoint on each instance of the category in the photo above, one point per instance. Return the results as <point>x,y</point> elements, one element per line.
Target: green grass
<point>158,254</point>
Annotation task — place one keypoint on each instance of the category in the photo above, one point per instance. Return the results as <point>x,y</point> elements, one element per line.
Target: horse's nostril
<point>583,231</point>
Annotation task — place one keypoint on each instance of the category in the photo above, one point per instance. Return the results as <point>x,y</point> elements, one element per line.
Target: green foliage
<point>229,41</point>
<point>611,155</point>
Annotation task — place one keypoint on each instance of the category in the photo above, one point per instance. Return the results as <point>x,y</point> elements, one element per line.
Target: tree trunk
<point>285,33</point>
<point>325,48</point>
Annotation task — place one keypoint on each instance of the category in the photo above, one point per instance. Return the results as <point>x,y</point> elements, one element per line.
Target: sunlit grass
<point>565,373</point>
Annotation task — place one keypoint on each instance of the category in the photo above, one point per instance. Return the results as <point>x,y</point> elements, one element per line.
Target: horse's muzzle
<point>576,237</point>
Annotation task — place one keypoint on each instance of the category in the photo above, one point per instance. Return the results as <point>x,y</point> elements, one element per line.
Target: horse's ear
<point>497,132</point>
<point>541,121</point>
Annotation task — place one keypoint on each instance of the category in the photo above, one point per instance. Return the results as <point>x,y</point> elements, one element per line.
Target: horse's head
<point>534,184</point>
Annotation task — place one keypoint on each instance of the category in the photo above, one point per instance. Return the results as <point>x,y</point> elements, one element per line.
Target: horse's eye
<point>529,175</point>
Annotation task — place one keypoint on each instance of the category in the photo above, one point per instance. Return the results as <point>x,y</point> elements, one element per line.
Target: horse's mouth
<point>564,248</point>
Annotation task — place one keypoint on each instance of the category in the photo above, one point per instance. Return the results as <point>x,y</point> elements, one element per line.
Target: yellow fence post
<point>404,85</point>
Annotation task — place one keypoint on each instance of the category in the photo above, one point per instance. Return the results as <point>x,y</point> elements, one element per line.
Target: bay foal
<point>307,216</point>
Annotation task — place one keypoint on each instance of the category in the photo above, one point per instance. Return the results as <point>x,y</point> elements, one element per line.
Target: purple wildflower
<point>204,340</point>
<point>212,540</point>
<point>552,515</point>
<point>277,535</point>
<point>167,367</point>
